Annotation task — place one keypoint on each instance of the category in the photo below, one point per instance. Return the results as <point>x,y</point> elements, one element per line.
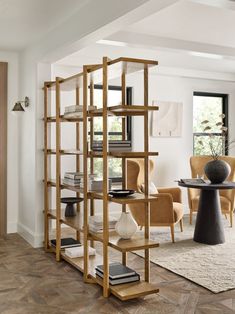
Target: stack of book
<point>118,274</point>
<point>74,111</point>
<point>96,223</point>
<point>76,178</point>
<point>66,243</point>
<point>114,145</point>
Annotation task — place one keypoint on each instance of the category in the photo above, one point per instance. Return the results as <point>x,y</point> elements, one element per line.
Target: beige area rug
<point>211,266</point>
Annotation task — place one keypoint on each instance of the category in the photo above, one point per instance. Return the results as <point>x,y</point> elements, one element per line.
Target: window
<point>214,108</point>
<point>114,127</point>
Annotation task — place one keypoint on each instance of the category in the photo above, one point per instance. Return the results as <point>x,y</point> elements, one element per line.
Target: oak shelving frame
<point>84,82</point>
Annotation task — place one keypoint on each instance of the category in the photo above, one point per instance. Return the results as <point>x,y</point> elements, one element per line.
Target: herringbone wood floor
<point>32,282</point>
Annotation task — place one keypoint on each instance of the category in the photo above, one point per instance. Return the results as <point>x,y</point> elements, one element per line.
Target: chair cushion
<point>178,211</point>
<point>225,204</point>
<point>152,188</point>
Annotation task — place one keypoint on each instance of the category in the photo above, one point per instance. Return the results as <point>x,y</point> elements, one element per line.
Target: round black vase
<point>217,171</point>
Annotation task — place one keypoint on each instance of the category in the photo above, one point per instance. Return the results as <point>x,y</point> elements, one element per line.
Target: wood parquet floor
<point>32,282</point>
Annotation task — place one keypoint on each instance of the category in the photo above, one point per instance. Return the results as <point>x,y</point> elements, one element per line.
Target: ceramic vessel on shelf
<point>126,226</point>
<point>217,170</point>
<point>70,211</point>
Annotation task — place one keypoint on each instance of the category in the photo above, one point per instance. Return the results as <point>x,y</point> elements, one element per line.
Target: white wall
<point>12,142</point>
<point>174,153</point>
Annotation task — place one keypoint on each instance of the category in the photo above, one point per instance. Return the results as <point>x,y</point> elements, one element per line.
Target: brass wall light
<point>18,105</point>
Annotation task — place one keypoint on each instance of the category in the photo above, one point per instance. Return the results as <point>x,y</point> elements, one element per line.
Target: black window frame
<point>224,120</point>
<point>128,120</point>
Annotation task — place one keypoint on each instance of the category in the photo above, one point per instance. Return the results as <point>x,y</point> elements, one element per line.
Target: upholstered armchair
<point>167,210</point>
<point>197,164</point>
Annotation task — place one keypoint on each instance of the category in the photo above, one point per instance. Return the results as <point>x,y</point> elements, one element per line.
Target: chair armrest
<point>175,192</point>
<point>162,208</point>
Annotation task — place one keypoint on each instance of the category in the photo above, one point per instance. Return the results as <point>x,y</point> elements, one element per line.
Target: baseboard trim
<point>11,227</point>
<point>35,240</point>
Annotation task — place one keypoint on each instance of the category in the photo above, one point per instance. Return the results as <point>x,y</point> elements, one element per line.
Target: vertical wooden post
<point>3,148</point>
<point>58,172</point>
<point>146,168</point>
<point>105,180</point>
<point>92,139</point>
<point>78,148</point>
<point>92,207</point>
<point>46,203</point>
<point>85,176</point>
<point>123,79</point>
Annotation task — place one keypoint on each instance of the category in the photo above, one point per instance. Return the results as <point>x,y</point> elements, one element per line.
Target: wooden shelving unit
<point>84,82</point>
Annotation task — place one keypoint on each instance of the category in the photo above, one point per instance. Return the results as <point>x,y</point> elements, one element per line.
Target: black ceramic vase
<point>217,171</point>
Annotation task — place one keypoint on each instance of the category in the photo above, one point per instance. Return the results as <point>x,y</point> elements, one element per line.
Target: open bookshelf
<point>83,85</point>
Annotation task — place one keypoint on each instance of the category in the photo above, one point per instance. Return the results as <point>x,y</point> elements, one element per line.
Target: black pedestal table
<point>209,225</point>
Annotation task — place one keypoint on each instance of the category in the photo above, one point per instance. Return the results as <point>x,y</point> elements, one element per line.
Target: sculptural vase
<point>217,171</point>
<point>126,226</point>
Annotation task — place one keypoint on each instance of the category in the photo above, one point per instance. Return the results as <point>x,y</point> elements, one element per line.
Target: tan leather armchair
<point>197,164</point>
<point>167,210</point>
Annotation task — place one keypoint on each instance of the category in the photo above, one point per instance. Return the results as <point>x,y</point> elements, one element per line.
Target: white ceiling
<point>23,22</point>
<point>190,34</point>
<point>191,21</point>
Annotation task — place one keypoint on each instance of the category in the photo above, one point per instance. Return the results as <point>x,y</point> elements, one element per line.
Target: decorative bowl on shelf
<point>121,193</point>
<point>70,201</point>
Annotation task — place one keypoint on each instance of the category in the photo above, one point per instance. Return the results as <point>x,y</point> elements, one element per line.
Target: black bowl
<point>121,193</point>
<point>71,200</point>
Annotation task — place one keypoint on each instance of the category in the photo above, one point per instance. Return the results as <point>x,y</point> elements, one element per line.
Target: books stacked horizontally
<point>74,111</point>
<point>66,243</point>
<point>118,274</point>
<point>113,146</point>
<point>75,252</point>
<point>76,178</point>
<point>96,223</point>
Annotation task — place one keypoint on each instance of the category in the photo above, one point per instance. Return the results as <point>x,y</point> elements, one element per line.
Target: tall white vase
<point>126,226</point>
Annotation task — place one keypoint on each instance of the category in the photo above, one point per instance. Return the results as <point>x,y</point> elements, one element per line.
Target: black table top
<point>209,186</point>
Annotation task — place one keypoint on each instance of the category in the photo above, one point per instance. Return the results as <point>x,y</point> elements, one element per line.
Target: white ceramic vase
<point>126,226</point>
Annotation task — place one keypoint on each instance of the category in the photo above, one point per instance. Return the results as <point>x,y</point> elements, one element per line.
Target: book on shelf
<point>77,108</point>
<point>117,271</point>
<point>94,229</point>
<point>73,115</point>
<point>113,149</point>
<point>71,182</point>
<point>97,220</point>
<point>75,252</point>
<point>120,281</point>
<point>113,142</point>
<point>78,175</point>
<point>96,223</point>
<point>66,243</point>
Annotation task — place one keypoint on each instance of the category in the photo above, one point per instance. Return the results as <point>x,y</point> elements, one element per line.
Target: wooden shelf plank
<point>74,222</point>
<point>133,290</point>
<point>78,263</point>
<point>122,245</point>
<point>64,119</point>
<point>123,110</point>
<point>135,198</point>
<point>64,152</point>
<point>124,154</point>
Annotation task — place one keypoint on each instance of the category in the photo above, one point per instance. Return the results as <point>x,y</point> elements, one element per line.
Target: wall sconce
<point>18,105</point>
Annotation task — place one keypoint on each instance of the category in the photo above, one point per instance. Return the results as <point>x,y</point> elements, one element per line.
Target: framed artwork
<point>167,121</point>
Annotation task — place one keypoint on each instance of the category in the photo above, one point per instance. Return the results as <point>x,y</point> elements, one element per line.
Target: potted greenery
<point>216,170</point>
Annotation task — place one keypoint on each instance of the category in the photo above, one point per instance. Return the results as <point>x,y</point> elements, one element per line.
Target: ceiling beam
<point>152,42</point>
<point>105,18</point>
<point>224,4</point>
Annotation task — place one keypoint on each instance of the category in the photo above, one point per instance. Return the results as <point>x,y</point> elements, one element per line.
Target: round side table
<point>209,225</point>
